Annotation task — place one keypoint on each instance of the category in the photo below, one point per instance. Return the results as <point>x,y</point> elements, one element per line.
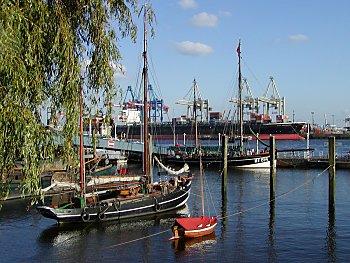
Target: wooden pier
<point>285,159</point>
<point>314,162</point>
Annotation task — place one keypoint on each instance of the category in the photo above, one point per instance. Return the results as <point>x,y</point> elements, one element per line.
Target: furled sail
<point>184,169</point>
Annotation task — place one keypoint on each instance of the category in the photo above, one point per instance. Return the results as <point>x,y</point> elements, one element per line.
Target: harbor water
<point>298,226</point>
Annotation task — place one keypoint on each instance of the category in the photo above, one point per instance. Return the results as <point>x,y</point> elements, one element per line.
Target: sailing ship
<point>122,199</point>
<point>238,155</point>
<point>192,227</point>
<point>246,159</point>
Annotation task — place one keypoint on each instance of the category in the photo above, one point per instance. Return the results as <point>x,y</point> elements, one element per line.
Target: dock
<point>296,158</point>
<point>293,160</point>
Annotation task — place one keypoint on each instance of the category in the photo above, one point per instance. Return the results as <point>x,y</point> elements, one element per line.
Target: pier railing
<point>312,155</point>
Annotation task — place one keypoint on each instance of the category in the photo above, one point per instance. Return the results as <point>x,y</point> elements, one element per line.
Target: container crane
<point>202,105</point>
<point>275,100</point>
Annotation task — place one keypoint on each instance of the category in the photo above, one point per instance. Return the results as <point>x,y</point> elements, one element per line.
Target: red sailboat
<point>192,227</point>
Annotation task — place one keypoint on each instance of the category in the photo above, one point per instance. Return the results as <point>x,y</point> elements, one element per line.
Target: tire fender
<point>101,216</point>
<point>85,217</point>
<point>156,205</point>
<point>116,204</point>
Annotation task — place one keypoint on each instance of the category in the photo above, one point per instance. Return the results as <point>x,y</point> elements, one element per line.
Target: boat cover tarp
<point>192,223</point>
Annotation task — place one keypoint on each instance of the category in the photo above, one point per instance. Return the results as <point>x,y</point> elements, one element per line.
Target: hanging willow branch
<point>48,51</point>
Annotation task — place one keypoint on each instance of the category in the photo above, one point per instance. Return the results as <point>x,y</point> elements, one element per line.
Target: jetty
<point>305,160</point>
<point>293,158</point>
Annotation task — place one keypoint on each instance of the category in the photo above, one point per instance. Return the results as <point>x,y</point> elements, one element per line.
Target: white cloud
<point>204,20</point>
<point>298,38</point>
<point>193,49</point>
<point>119,71</point>
<point>187,4</point>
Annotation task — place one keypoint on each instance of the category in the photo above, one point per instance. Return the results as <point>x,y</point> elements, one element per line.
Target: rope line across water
<point>237,213</point>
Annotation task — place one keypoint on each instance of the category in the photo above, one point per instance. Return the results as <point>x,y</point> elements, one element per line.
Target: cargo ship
<point>210,124</point>
<point>182,128</point>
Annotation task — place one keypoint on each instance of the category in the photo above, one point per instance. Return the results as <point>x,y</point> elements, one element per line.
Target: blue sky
<point>303,44</point>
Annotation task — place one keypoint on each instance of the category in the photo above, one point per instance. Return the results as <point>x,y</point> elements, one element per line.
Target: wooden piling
<point>272,167</point>
<point>331,186</point>
<point>224,165</point>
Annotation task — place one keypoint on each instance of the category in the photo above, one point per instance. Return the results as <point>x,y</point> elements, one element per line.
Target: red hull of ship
<point>280,137</point>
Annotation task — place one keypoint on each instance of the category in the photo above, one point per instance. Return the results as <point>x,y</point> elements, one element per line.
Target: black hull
<point>142,205</point>
<point>212,130</point>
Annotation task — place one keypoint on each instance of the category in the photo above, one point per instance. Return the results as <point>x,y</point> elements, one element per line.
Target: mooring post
<point>272,167</point>
<point>224,165</point>
<point>331,145</point>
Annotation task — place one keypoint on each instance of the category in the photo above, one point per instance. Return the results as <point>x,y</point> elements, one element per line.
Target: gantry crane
<point>275,100</point>
<point>248,101</point>
<point>202,105</point>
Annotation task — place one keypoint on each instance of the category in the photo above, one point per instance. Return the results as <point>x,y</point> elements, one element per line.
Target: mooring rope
<point>278,197</point>
<point>234,214</point>
<point>138,239</point>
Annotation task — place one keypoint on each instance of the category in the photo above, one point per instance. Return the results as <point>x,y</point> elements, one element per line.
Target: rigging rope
<point>138,239</point>
<point>257,137</point>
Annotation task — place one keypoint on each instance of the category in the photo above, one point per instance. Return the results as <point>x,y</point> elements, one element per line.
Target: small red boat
<point>194,226</point>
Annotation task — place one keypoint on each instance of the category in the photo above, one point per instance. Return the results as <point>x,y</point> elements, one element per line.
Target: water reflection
<point>58,234</point>
<point>271,239</point>
<point>331,243</point>
<point>240,232</point>
<point>199,243</point>
<point>300,227</point>
<point>223,210</point>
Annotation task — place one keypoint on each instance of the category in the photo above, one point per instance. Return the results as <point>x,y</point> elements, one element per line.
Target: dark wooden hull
<point>121,208</point>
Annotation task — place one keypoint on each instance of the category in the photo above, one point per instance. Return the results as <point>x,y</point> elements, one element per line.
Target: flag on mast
<point>239,48</point>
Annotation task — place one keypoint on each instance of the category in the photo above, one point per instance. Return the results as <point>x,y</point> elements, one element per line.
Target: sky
<point>303,44</point>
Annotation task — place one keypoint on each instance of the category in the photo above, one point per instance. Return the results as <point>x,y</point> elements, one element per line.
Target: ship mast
<point>195,112</point>
<point>81,145</point>
<point>201,178</point>
<point>145,100</point>
<point>240,99</point>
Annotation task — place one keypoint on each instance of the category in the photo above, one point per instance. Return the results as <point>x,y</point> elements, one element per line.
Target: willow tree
<point>49,51</point>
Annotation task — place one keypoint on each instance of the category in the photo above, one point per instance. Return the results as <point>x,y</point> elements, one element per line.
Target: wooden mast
<point>195,112</point>
<point>201,178</point>
<point>81,144</point>
<point>240,99</point>
<point>145,99</point>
